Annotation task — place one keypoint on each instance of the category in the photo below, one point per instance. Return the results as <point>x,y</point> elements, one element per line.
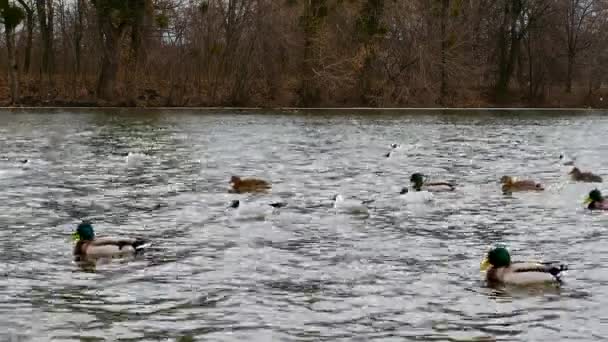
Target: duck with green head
<point>88,246</point>
<point>500,269</point>
<point>595,200</point>
<point>419,184</point>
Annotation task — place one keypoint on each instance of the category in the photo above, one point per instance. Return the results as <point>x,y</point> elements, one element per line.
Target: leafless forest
<point>270,53</point>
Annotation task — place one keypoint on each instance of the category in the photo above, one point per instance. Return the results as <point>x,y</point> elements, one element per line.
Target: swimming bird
<point>349,206</point>
<point>241,185</point>
<point>511,184</point>
<point>89,246</point>
<point>393,148</point>
<point>418,181</point>
<point>500,269</point>
<point>589,177</point>
<point>566,161</point>
<point>134,159</point>
<point>254,211</point>
<point>596,201</point>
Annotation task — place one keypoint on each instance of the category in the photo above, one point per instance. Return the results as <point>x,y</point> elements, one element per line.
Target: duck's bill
<point>75,236</point>
<point>587,200</point>
<point>485,264</point>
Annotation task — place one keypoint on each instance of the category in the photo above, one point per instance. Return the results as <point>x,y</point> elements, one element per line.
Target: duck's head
<point>575,171</point>
<point>235,204</point>
<point>418,180</point>
<point>84,232</point>
<point>235,179</point>
<point>496,257</point>
<point>506,180</point>
<point>594,196</point>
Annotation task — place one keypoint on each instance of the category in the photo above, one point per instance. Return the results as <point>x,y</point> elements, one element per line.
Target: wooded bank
<point>271,53</point>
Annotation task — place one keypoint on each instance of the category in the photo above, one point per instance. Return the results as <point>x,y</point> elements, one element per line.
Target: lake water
<point>305,272</point>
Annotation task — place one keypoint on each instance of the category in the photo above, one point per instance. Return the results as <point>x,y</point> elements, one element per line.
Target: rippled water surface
<point>302,272</point>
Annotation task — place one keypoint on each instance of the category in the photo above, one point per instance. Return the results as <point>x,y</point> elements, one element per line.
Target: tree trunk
<point>140,37</point>
<point>569,72</point>
<point>29,26</point>
<point>109,68</point>
<point>444,45</point>
<point>508,45</point>
<point>111,37</point>
<point>45,18</point>
<point>309,91</point>
<point>28,41</point>
<point>13,65</point>
<point>79,27</point>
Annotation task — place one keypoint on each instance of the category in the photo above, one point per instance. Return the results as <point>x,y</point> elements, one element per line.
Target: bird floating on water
<point>419,183</point>
<point>500,269</point>
<point>254,211</point>
<point>242,185</point>
<point>393,148</point>
<point>512,184</point>
<point>88,246</point>
<point>588,177</point>
<point>134,159</point>
<point>350,206</point>
<point>596,201</point>
<point>566,161</point>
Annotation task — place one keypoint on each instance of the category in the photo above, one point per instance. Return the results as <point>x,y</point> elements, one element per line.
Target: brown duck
<point>580,176</point>
<point>509,184</point>
<point>241,185</point>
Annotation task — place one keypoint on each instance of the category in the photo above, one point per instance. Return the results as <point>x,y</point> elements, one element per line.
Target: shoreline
<point>305,108</point>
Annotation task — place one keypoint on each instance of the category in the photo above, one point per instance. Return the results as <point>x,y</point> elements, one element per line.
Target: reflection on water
<point>305,272</point>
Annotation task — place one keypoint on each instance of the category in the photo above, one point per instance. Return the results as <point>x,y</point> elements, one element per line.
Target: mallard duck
<point>419,184</point>
<point>500,269</point>
<point>241,185</point>
<point>510,184</point>
<point>595,201</point>
<point>349,206</point>
<point>589,177</point>
<point>89,246</point>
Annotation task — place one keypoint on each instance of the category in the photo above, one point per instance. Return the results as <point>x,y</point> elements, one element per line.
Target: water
<point>307,273</point>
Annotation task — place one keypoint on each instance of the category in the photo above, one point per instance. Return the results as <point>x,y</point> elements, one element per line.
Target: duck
<point>566,161</point>
<point>393,148</point>
<point>589,177</point>
<point>511,184</point>
<point>88,246</point>
<point>596,201</point>
<point>248,211</point>
<point>500,270</point>
<point>135,159</point>
<point>241,185</point>
<point>419,184</point>
<point>350,206</point>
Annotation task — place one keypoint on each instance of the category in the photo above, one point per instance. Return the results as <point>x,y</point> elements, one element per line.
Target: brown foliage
<point>272,53</point>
